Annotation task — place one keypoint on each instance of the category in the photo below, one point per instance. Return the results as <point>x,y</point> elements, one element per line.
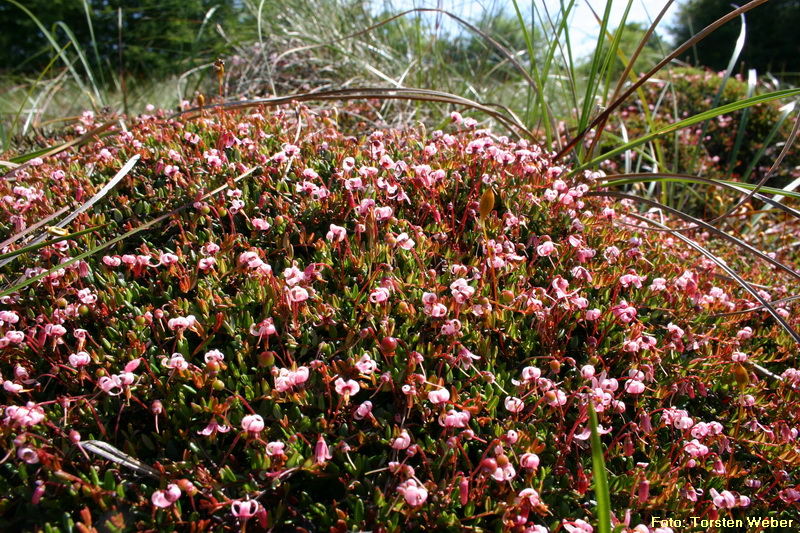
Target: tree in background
<point>632,35</point>
<point>771,46</point>
<point>158,36</point>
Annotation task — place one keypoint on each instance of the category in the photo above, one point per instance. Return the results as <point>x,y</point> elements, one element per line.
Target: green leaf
<point>599,479</point>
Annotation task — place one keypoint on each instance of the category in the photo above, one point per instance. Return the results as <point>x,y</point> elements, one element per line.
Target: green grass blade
<point>691,121</point>
<point>49,36</point>
<point>737,51</point>
<point>752,81</point>
<point>35,84</point>
<point>82,56</point>
<point>90,24</point>
<point>599,477</point>
<point>34,247</point>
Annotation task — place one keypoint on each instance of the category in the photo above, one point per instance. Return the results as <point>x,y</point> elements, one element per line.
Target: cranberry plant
<point>271,324</point>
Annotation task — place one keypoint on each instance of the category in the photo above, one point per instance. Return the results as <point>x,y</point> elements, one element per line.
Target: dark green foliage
<point>158,36</point>
<point>772,44</point>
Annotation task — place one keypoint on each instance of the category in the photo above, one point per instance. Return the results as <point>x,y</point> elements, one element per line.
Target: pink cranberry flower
<point>454,419</point>
<point>181,323</point>
<point>346,388</point>
<point>504,470</point>
<point>286,379</point>
<point>724,500</point>
<point>176,362</point>
<point>461,291</point>
<point>404,241</point>
<point>165,498</point>
<point>529,461</point>
<point>275,448</point>
<point>321,453</point>
<point>414,493</point>
<point>379,295</point>
<point>337,233</point>
<point>530,495</point>
<point>245,509</point>
<point>214,356</point>
<point>28,455</point>
<point>260,224</point>
<point>578,526</point>
<point>514,404</point>
<point>79,359</point>
<point>366,365</point>
<point>363,410</point>
<point>264,328</point>
<point>546,249</point>
<point>297,295</point>
<point>212,428</point>
<point>439,396</point>
<point>207,263</point>
<point>253,424</point>
<point>109,384</point>
<point>27,416</point>
<point>624,312</point>
<point>402,442</point>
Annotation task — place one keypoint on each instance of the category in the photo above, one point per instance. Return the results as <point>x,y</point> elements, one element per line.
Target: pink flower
<point>275,448</point>
<point>212,428</point>
<point>451,327</point>
<point>461,291</point>
<point>725,500</point>
<point>181,323</point>
<point>337,233</point>
<point>264,328</point>
<point>379,295</point>
<point>366,365</point>
<point>363,410</point>
<point>439,396</point>
<point>168,259</point>
<point>633,386</point>
<point>531,495</point>
<point>545,249</point>
<point>79,359</point>
<point>253,424</point>
<point>382,213</point>
<point>454,419</point>
<point>529,460</point>
<point>624,312</point>
<point>165,498</point>
<point>260,224</point>
<point>560,285</point>
<point>286,379</point>
<point>297,295</point>
<point>404,241</point>
<point>177,362</point>
<point>514,404</point>
<point>28,455</point>
<point>321,453</point>
<point>27,416</point>
<point>214,355</point>
<point>109,384</point>
<point>414,493</point>
<point>346,388</point>
<point>245,509</point>
<point>402,442</point>
<point>504,470</point>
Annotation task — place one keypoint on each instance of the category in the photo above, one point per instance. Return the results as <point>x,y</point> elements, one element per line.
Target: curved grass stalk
<point>691,121</point>
<point>719,262</point>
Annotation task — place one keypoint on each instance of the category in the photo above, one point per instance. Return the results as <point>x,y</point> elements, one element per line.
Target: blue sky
<point>583,25</point>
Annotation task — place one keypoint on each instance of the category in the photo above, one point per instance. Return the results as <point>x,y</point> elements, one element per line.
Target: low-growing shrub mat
<point>354,334</point>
